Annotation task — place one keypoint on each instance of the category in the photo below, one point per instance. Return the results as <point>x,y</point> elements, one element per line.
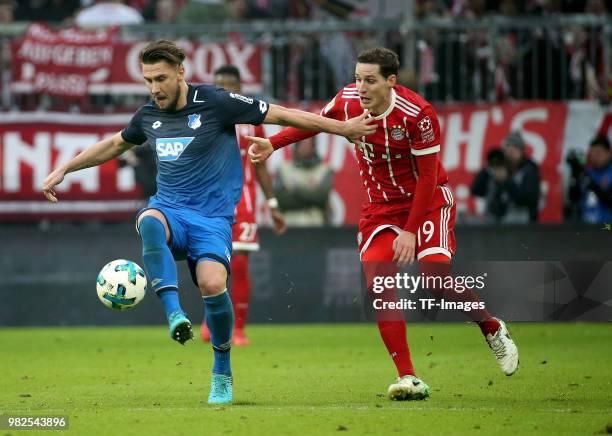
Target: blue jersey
<point>198,159</point>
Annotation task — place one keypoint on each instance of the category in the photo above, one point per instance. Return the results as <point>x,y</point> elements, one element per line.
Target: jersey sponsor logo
<point>426,128</point>
<point>247,100</point>
<point>398,133</point>
<point>169,149</point>
<point>193,121</point>
<point>156,124</point>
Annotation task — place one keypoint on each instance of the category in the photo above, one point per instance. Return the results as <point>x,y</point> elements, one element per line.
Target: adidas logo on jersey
<point>169,149</point>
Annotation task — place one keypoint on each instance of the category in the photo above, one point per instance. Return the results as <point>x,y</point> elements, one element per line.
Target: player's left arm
<point>265,181</point>
<point>353,128</point>
<point>425,148</point>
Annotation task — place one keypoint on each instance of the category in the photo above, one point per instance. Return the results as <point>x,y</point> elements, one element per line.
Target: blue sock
<point>170,299</point>
<point>220,320</point>
<point>159,263</point>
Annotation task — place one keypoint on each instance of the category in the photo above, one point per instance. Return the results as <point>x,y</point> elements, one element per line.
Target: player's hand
<point>359,126</point>
<point>403,248</point>
<point>53,179</point>
<point>260,149</point>
<point>278,219</point>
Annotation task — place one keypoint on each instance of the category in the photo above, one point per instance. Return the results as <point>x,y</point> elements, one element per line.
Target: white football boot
<point>504,349</point>
<point>408,387</point>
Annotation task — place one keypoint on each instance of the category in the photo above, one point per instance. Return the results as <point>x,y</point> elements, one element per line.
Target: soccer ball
<point>121,284</point>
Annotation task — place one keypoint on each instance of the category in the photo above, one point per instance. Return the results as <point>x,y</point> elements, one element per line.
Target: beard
<point>172,103</point>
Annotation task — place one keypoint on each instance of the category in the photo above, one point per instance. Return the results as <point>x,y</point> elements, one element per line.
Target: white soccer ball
<point>121,284</point>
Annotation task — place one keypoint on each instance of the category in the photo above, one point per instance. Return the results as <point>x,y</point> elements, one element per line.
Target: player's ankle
<point>489,326</point>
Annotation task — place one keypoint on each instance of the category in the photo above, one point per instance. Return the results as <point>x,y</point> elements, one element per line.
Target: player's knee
<point>152,232</point>
<point>212,285</point>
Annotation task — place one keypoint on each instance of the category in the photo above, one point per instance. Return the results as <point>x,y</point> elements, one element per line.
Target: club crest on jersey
<point>193,121</point>
<point>169,149</point>
<point>398,132</point>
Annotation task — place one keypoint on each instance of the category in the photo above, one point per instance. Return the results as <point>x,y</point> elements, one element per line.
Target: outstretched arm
<point>97,154</point>
<point>352,129</point>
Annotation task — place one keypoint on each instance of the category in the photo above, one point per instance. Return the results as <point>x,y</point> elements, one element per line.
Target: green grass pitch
<point>315,379</point>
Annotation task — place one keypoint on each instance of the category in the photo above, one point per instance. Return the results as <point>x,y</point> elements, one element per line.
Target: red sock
<point>241,288</point>
<point>439,265</point>
<point>377,261</point>
<point>393,334</point>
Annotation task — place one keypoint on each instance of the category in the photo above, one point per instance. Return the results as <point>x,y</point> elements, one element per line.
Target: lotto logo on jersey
<point>247,100</point>
<point>169,149</point>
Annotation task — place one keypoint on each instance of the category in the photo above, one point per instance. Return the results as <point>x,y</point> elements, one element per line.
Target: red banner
<point>63,62</point>
<point>468,132</point>
<point>201,61</point>
<point>73,63</point>
<point>31,144</point>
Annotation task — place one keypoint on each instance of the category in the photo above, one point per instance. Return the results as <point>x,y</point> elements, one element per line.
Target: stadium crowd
<point>214,10</point>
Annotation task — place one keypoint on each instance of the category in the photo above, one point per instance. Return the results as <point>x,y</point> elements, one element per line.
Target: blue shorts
<point>195,237</point>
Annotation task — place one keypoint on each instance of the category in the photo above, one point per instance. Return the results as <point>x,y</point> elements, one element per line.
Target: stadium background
<point>489,68</point>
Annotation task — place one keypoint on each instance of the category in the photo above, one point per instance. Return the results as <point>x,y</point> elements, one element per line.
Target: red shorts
<point>435,235</point>
<point>244,231</point>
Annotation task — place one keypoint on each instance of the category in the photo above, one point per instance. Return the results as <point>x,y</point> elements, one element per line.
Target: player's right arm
<point>97,154</point>
<point>262,148</point>
<point>352,128</point>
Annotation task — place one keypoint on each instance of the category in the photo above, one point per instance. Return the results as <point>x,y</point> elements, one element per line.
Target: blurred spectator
<point>7,11</point>
<point>591,185</point>
<point>46,10</point>
<point>303,186</point>
<point>240,10</point>
<point>161,11</point>
<point>486,185</point>
<point>521,182</point>
<point>316,79</point>
<point>510,184</point>
<point>203,11</point>
<point>108,13</point>
<point>596,7</point>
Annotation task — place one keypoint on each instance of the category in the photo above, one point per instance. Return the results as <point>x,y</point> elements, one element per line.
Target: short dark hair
<point>496,157</point>
<point>229,70</point>
<point>162,50</point>
<point>386,59</point>
<point>601,141</point>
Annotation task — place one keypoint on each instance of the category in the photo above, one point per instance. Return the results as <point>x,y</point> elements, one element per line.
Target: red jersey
<point>409,127</point>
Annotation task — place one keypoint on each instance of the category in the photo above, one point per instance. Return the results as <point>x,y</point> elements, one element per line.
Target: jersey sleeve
<point>291,135</point>
<point>238,109</point>
<point>334,109</point>
<point>425,134</point>
<point>133,132</point>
